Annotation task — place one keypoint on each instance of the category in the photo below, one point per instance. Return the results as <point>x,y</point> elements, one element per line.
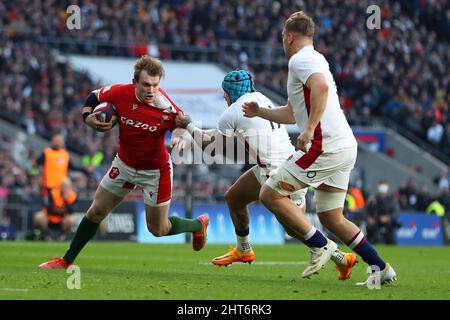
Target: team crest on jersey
<point>114,172</point>
<point>151,194</point>
<point>135,106</point>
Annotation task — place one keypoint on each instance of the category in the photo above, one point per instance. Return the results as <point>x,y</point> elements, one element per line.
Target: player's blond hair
<point>299,22</point>
<point>151,65</point>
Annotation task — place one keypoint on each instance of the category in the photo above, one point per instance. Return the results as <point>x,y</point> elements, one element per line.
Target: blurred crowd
<point>399,71</point>
<point>42,94</point>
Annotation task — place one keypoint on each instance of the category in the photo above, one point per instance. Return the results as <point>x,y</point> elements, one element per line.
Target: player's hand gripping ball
<point>108,112</point>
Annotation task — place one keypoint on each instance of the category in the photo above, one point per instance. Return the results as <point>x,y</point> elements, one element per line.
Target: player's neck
<point>303,43</point>
<point>300,43</point>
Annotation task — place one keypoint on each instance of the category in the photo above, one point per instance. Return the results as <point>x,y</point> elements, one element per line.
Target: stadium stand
<point>377,72</point>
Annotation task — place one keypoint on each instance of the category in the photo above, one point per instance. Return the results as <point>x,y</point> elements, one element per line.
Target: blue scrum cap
<point>237,83</point>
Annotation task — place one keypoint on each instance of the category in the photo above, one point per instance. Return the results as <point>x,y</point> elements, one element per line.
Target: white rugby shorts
<point>297,197</point>
<point>332,169</point>
<point>156,184</point>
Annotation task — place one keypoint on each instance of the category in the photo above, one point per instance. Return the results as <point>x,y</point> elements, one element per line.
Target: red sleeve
<point>109,93</point>
<point>177,109</point>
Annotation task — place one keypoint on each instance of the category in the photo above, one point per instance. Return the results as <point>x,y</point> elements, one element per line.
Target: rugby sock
<point>243,240</point>
<point>361,246</point>
<point>314,238</point>
<point>180,225</point>
<point>86,230</point>
<point>338,257</point>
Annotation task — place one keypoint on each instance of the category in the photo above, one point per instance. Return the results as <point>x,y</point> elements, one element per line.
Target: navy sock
<point>316,240</point>
<point>361,246</point>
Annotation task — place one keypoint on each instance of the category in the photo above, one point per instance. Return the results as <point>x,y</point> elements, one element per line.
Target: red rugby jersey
<point>142,128</point>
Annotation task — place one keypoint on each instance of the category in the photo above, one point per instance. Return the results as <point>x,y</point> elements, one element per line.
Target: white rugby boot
<point>319,257</point>
<point>377,278</point>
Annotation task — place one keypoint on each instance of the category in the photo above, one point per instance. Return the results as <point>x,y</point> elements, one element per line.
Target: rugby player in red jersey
<point>145,113</point>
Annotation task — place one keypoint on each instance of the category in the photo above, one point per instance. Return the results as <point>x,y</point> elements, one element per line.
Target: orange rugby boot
<point>346,269</point>
<point>234,255</point>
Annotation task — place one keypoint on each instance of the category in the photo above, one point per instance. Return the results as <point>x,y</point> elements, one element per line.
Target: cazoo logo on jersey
<point>138,124</point>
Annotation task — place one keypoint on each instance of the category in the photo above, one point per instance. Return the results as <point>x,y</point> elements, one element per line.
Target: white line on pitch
<point>13,289</point>
<point>270,263</point>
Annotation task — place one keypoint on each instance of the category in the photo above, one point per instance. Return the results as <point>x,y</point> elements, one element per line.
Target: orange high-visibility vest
<point>360,202</point>
<point>55,168</point>
<point>59,205</point>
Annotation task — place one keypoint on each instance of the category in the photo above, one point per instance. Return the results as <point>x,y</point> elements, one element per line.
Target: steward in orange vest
<point>60,204</point>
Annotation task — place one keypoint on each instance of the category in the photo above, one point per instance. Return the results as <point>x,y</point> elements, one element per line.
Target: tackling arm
<point>201,137</point>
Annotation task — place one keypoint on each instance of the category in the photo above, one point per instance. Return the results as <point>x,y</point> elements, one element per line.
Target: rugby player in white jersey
<point>269,145</point>
<point>326,146</point>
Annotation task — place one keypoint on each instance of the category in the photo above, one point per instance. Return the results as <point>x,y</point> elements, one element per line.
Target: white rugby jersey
<point>267,142</point>
<point>333,131</point>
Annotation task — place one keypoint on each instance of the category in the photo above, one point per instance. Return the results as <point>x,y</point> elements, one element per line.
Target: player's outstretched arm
<point>201,137</point>
<point>279,115</point>
<point>180,138</point>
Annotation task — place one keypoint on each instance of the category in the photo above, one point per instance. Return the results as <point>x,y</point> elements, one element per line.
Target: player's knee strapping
<point>326,201</point>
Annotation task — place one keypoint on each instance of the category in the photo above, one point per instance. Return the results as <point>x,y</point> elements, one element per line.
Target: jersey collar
<point>148,105</point>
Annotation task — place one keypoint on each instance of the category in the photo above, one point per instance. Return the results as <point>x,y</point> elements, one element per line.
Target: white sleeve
<point>304,66</point>
<point>228,122</point>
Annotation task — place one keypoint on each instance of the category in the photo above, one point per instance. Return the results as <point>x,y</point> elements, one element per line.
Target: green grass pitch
<point>119,270</point>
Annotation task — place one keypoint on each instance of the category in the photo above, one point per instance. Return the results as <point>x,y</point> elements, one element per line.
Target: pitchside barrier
<point>418,228</point>
<point>120,225</point>
<point>128,223</point>
<point>264,227</point>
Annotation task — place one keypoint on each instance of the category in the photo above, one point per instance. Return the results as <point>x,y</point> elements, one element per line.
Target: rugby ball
<point>108,112</point>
